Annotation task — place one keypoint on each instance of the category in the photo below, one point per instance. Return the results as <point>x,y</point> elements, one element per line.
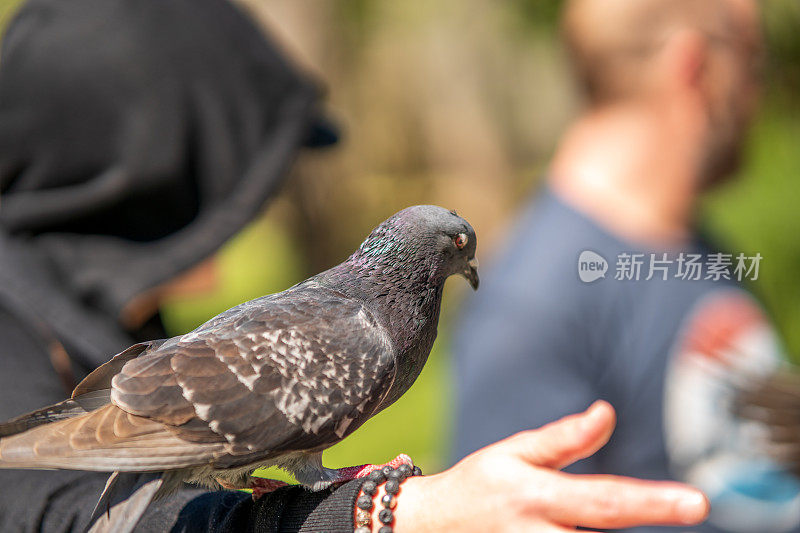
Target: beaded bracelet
<point>393,477</point>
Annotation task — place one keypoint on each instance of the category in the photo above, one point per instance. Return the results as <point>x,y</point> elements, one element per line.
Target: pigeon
<point>271,382</point>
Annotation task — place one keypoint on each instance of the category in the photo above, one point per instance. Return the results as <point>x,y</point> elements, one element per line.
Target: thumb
<point>567,440</point>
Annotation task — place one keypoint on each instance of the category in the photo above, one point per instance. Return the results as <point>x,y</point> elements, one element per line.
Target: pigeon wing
<point>296,371</point>
<point>289,372</point>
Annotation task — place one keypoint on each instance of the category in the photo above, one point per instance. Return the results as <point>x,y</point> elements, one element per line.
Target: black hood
<point>137,136</point>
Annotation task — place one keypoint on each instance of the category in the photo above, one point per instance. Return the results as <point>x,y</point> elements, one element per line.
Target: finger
<point>556,528</point>
<point>550,528</point>
<point>620,502</point>
<point>565,441</point>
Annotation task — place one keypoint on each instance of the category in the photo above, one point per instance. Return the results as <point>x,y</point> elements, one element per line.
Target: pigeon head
<point>427,239</point>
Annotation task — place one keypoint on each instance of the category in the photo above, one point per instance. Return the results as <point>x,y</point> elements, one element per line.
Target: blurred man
<point>605,289</point>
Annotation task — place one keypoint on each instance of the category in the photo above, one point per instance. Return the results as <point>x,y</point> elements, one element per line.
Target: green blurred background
<point>460,103</point>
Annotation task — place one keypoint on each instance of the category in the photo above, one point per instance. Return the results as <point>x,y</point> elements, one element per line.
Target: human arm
<point>516,485</point>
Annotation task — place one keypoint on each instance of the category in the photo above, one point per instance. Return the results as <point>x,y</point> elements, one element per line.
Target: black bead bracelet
<point>393,477</point>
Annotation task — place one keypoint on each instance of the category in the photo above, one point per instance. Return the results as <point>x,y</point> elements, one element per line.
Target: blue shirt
<point>551,331</point>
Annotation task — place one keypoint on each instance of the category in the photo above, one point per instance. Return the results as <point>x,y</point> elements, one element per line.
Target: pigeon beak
<point>471,273</point>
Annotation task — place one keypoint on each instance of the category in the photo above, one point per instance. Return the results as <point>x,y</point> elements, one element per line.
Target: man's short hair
<point>609,40</point>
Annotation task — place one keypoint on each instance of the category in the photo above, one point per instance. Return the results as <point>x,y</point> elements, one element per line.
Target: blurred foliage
<point>781,23</point>
<point>539,15</point>
<point>758,212</point>
<point>460,103</point>
<point>7,9</point>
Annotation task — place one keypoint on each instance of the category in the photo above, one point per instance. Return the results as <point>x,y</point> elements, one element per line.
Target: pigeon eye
<point>460,240</point>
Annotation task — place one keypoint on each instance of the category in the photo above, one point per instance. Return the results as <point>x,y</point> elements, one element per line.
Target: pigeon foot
<point>259,485</point>
<point>356,472</point>
<point>262,486</point>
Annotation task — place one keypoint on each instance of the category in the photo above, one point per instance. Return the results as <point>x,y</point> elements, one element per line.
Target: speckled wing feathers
<point>294,371</point>
<point>106,439</point>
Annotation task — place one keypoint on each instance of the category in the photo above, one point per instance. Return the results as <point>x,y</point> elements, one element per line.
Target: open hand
<point>516,485</point>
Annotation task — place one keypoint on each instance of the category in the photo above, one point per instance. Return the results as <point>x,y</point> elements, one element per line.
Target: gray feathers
<point>280,374</point>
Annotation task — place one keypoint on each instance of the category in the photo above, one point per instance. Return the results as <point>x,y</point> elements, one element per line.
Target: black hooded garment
<point>136,137</point>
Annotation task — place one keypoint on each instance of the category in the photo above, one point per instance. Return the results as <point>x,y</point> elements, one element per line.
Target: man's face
<point>733,87</point>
